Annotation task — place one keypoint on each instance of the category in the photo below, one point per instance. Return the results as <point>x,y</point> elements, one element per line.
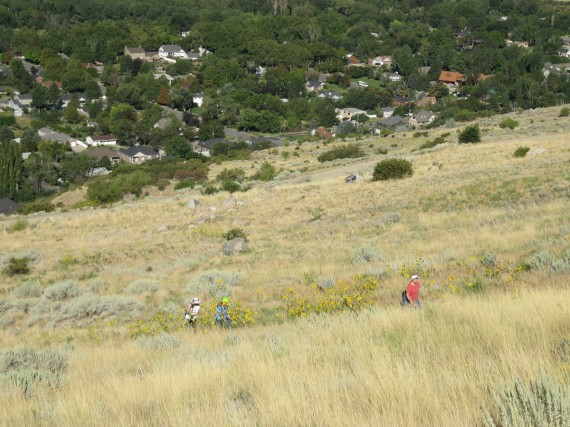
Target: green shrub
<point>266,173</point>
<point>61,291</point>
<point>93,307</point>
<point>432,143</point>
<point>470,135</point>
<point>27,290</point>
<point>209,189</point>
<point>141,286</point>
<point>163,341</point>
<point>230,186</point>
<point>382,151</point>
<point>214,282</point>
<point>17,266</point>
<point>233,233</point>
<point>508,123</point>
<point>392,169</point>
<point>564,112</point>
<point>521,152</point>
<point>19,225</point>
<point>366,254</point>
<point>40,205</point>
<point>541,403</point>
<point>185,183</point>
<point>348,151</point>
<point>235,174</point>
<point>25,368</point>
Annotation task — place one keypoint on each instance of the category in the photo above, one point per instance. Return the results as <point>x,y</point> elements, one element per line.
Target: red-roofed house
<point>451,77</point>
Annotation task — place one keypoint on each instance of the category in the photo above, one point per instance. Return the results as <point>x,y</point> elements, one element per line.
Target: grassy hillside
<point>488,233</point>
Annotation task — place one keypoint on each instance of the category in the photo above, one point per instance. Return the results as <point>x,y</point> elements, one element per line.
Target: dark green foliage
<point>230,186</point>
<point>521,151</point>
<point>209,189</point>
<point>234,233</point>
<point>508,123</point>
<point>564,112</point>
<point>432,143</point>
<point>39,205</point>
<point>17,266</point>
<point>185,183</point>
<point>470,135</point>
<point>348,151</point>
<point>266,173</point>
<point>392,169</point>
<point>10,169</point>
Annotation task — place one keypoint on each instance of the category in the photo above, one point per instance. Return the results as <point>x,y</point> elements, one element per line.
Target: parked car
<point>363,84</point>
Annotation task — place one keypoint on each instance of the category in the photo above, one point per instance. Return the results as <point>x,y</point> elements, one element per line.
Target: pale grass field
<point>384,367</point>
<point>333,370</point>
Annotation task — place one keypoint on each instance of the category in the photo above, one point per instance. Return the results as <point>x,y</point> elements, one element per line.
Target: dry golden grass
<point>382,367</point>
<point>335,369</point>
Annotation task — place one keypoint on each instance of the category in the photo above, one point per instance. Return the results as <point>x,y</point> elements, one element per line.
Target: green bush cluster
<point>564,112</point>
<point>27,290</point>
<point>25,368</point>
<point>367,254</point>
<point>432,143</point>
<point>540,403</point>
<point>235,232</point>
<point>185,183</point>
<point>265,173</point>
<point>17,266</point>
<point>392,169</point>
<point>521,151</point>
<point>93,307</point>
<point>141,286</point>
<point>470,135</point>
<point>545,261</point>
<point>61,291</point>
<point>40,205</point>
<point>348,151</point>
<point>508,123</point>
<point>19,225</point>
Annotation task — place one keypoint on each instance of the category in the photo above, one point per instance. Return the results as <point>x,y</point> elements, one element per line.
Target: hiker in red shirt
<point>411,294</point>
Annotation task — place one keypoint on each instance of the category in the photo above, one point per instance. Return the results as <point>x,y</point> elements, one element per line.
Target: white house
<point>97,140</point>
<point>77,146</point>
<point>172,50</point>
<point>198,99</point>
<point>348,113</point>
<point>423,118</point>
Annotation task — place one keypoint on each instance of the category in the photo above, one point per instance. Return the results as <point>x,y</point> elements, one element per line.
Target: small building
<point>101,152</point>
<point>392,123</point>
<point>322,132</point>
<point>135,52</point>
<point>423,118</point>
<point>198,99</point>
<point>556,69</point>
<point>451,77</point>
<point>205,147</point>
<point>138,154</point>
<point>97,140</point>
<point>172,51</point>
<point>314,86</point>
<point>48,134</point>
<point>348,113</point>
<point>335,96</point>
<point>77,146</point>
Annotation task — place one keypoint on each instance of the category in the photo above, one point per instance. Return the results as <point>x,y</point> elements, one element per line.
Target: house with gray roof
<point>392,123</point>
<point>205,147</point>
<point>422,118</point>
<point>329,94</point>
<point>48,134</point>
<point>172,51</point>
<point>138,154</point>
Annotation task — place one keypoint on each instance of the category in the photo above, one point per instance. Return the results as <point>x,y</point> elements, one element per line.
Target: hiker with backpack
<point>410,296</point>
<point>191,313</point>
<point>222,313</point>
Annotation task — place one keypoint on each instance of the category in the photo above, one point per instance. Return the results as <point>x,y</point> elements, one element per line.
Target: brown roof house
<point>322,132</point>
<point>138,154</point>
<point>101,152</point>
<point>135,52</point>
<point>451,77</point>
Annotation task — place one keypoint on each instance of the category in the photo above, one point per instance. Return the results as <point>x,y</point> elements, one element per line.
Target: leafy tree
<point>10,168</point>
<point>22,79</point>
<point>210,130</point>
<point>40,97</point>
<point>178,146</point>
<point>75,168</point>
<point>392,169</point>
<point>265,173</point>
<point>471,134</point>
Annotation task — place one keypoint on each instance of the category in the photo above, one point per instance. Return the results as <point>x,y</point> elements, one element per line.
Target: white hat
<point>414,277</point>
<point>195,301</point>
